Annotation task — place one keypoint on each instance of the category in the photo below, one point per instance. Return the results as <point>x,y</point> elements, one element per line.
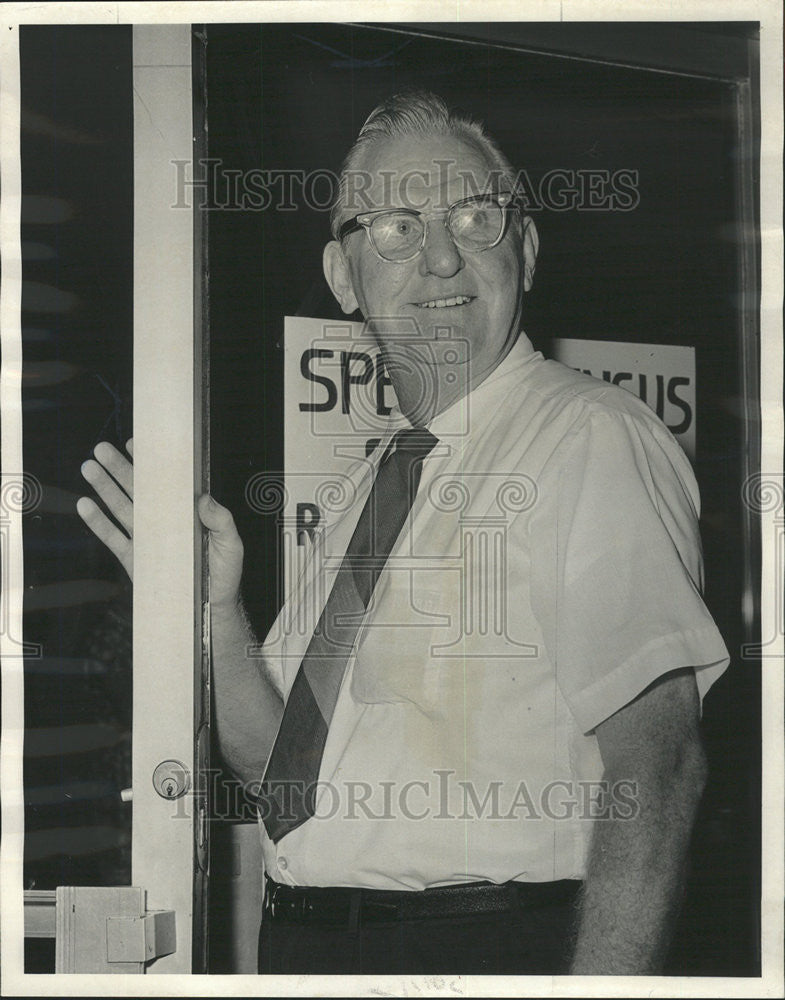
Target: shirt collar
<point>471,412</point>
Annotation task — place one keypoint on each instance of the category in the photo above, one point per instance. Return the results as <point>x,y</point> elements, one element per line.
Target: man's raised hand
<point>111,475</point>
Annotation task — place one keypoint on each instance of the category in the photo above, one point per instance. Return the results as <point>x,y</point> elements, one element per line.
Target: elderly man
<point>485,763</point>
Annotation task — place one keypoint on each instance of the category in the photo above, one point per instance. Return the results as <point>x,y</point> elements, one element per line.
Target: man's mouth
<point>455,300</point>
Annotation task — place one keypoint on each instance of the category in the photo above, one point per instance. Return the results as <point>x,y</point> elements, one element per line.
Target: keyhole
<point>170,779</point>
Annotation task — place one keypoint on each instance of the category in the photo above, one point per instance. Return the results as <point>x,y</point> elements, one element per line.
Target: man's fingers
<point>117,464</point>
<point>223,533</point>
<point>108,532</point>
<point>112,477</point>
<point>217,518</point>
<point>226,554</point>
<point>107,489</point>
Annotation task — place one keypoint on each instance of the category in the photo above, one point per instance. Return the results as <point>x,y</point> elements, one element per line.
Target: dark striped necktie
<point>288,790</point>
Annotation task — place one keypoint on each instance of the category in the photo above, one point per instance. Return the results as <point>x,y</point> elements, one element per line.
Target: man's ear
<point>336,271</point>
<point>531,244</point>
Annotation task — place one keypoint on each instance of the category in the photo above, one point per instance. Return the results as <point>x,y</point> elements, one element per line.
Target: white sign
<point>661,375</point>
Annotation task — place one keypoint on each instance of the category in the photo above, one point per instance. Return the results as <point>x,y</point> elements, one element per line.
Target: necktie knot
<point>416,441</point>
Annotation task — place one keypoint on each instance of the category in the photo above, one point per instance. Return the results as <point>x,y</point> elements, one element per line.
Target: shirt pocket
<point>394,662</point>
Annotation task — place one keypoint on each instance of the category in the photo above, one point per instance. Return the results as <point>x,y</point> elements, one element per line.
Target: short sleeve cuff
<point>701,648</point>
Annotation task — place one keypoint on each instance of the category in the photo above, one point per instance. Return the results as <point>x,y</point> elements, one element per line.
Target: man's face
<point>462,341</point>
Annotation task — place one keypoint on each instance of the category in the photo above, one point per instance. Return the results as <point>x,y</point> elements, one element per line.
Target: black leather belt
<point>298,904</point>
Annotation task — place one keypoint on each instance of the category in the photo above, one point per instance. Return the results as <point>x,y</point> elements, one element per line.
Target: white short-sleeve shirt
<point>550,570</point>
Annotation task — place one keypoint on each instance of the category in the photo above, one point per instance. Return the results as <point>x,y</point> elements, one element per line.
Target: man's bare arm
<point>247,706</point>
<point>635,875</point>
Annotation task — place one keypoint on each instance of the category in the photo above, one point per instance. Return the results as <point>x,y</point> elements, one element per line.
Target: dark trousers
<point>522,940</point>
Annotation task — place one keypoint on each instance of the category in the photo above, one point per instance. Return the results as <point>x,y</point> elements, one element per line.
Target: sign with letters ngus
<point>338,400</point>
<point>660,374</point>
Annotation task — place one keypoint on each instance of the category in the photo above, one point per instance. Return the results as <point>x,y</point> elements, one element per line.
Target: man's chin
<point>431,355</point>
<point>432,343</point>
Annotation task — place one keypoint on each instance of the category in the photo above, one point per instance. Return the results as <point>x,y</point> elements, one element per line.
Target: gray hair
<point>417,113</point>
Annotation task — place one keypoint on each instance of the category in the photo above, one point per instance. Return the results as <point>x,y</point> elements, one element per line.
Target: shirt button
<point>283,864</point>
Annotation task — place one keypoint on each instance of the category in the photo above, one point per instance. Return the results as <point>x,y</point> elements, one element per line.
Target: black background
<point>77,316</point>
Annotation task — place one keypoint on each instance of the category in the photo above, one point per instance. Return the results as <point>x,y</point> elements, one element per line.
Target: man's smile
<point>455,300</point>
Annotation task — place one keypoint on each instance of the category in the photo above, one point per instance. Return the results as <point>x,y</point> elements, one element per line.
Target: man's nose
<point>440,255</point>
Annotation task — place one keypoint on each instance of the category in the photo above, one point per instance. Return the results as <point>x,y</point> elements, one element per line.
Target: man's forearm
<point>247,706</point>
<point>635,877</point>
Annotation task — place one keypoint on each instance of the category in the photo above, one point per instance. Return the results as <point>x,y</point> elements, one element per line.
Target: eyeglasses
<point>398,235</point>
